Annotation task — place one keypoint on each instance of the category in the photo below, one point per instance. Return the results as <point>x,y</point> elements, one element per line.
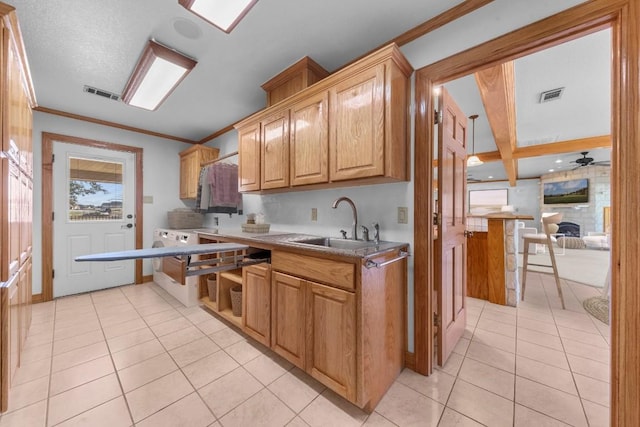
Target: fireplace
<point>569,229</point>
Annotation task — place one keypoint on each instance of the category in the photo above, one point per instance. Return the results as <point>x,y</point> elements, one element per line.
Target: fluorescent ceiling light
<point>224,14</point>
<point>155,76</point>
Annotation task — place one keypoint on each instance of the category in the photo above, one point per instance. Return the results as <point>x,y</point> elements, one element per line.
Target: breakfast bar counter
<point>492,259</point>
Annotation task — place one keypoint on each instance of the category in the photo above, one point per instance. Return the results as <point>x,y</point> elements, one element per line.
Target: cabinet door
<point>274,172</point>
<point>310,141</point>
<point>288,318</point>
<point>189,175</point>
<point>11,203</point>
<point>331,338</point>
<point>14,328</point>
<point>356,139</point>
<point>249,157</point>
<point>256,303</point>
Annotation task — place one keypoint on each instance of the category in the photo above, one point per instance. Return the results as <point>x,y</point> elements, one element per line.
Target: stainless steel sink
<point>330,242</point>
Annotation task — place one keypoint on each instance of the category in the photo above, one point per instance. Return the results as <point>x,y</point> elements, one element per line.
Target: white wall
<point>293,210</point>
<point>161,176</point>
<point>524,197</point>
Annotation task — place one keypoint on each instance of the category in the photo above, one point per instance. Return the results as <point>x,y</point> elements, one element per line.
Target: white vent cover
<point>551,95</point>
<point>102,93</point>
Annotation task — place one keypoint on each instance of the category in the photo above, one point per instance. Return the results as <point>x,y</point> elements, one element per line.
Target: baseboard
<point>148,278</point>
<point>36,298</point>
<point>410,360</point>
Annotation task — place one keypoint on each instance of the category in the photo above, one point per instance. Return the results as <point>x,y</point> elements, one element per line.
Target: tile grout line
<point>179,368</point>
<point>564,350</point>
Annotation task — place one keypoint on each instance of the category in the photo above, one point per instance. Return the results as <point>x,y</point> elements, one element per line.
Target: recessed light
<point>490,176</point>
<point>551,170</point>
<point>559,161</point>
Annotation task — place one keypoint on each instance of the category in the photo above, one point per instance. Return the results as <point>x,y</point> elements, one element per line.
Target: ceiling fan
<point>588,161</point>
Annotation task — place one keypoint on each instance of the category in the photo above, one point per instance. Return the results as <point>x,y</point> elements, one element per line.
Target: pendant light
<point>473,160</point>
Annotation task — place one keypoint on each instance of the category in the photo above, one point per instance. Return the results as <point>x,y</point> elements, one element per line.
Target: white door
<point>94,208</point>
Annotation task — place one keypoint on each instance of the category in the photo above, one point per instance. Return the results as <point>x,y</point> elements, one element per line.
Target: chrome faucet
<point>354,232</point>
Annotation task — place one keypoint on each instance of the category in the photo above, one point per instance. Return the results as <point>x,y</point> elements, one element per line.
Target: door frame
<point>622,17</point>
<point>47,202</point>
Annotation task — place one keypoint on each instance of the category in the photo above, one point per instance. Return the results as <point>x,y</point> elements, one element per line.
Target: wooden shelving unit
<point>226,280</point>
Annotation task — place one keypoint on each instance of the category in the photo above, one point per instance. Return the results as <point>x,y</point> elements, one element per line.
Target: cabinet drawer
<point>335,273</point>
<point>174,268</point>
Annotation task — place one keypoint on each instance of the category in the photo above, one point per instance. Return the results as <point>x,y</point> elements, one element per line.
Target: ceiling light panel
<point>224,14</point>
<point>157,73</point>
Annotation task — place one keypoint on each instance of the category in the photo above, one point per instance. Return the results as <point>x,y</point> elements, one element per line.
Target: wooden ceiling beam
<point>561,147</point>
<point>497,90</point>
<point>581,144</point>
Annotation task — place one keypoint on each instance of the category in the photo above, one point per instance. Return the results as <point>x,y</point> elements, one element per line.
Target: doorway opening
<point>581,20</point>
<point>48,140</point>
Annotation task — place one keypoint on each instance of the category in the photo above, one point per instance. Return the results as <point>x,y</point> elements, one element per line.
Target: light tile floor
<point>135,355</point>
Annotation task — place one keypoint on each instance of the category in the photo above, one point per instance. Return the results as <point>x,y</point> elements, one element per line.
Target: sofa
<point>596,240</point>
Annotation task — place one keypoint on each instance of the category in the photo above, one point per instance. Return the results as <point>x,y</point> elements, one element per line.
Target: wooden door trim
<point>47,202</point>
<point>622,17</point>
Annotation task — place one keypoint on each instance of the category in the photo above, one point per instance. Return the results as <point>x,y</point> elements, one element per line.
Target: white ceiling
<point>72,43</point>
<point>583,68</point>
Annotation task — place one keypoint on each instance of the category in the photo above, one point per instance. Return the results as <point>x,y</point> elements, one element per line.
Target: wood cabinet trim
<point>388,53</point>
<point>334,273</point>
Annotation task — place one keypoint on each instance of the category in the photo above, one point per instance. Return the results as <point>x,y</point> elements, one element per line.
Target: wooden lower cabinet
<point>331,338</point>
<point>256,302</point>
<point>15,316</point>
<point>288,318</point>
<point>313,327</point>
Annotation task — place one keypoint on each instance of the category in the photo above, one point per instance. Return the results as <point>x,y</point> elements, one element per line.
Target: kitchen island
<point>333,308</point>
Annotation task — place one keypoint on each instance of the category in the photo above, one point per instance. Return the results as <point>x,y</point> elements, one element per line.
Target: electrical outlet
<point>403,215</point>
<point>314,214</point>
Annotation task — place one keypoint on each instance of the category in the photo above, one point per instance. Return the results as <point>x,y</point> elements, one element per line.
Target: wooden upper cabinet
<point>274,162</point>
<point>356,141</point>
<point>309,141</point>
<point>191,161</point>
<point>297,77</point>
<point>350,127</point>
<point>249,157</point>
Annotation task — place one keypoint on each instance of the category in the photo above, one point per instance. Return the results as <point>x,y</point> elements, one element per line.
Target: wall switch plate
<point>314,214</point>
<point>147,199</point>
<point>403,215</point>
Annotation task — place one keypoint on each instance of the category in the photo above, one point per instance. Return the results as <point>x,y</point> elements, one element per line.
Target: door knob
<point>127,226</point>
<point>468,233</point>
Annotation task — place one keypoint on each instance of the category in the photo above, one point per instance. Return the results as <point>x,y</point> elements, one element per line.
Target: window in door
<point>95,190</point>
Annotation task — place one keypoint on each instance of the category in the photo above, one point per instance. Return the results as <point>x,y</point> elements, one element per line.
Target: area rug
<point>586,266</point>
<point>598,307</point>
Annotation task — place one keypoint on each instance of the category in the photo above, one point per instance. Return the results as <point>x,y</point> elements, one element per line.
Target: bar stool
<point>542,239</point>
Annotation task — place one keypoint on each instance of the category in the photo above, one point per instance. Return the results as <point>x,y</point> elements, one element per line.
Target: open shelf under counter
<point>228,314</point>
<point>211,305</point>
<point>232,276</point>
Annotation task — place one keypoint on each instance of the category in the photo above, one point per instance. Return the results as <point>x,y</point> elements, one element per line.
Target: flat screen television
<point>566,192</point>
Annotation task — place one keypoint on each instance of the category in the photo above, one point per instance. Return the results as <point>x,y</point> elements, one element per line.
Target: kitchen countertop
<point>292,240</point>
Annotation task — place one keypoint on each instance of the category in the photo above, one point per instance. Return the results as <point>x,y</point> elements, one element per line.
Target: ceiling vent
<point>551,95</point>
<point>102,93</point>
